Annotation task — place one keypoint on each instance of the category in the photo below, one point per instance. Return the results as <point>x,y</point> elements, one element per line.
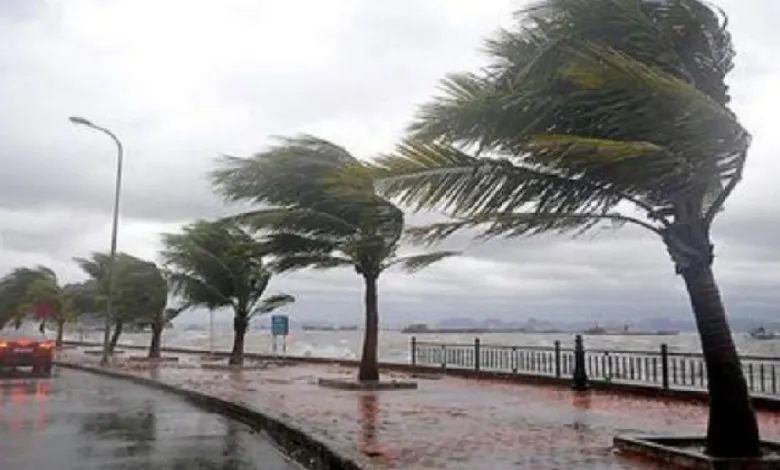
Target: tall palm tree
<point>162,318</point>
<point>218,264</point>
<point>597,111</point>
<point>140,290</point>
<point>324,214</point>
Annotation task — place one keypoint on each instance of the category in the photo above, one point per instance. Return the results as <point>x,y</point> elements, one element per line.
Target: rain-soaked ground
<point>449,423</point>
<point>80,421</point>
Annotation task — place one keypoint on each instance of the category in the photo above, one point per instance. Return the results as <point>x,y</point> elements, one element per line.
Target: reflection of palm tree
<point>231,454</point>
<point>369,411</point>
<point>138,430</point>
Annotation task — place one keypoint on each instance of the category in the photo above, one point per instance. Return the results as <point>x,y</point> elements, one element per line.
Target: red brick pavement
<point>452,424</point>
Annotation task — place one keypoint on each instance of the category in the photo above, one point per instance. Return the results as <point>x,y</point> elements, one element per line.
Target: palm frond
<point>271,303</point>
<point>197,291</point>
<point>510,225</point>
<point>416,263</point>
<point>302,220</point>
<point>297,170</point>
<point>439,176</point>
<point>286,244</point>
<point>584,117</point>
<point>302,261</point>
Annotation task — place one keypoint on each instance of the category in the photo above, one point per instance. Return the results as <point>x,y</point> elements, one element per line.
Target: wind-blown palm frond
<point>301,220</point>
<point>198,291</point>
<point>414,263</point>
<point>216,264</point>
<point>518,224</point>
<point>431,175</point>
<point>572,119</point>
<point>140,290</point>
<point>170,313</point>
<point>271,303</point>
<point>295,171</point>
<point>296,262</point>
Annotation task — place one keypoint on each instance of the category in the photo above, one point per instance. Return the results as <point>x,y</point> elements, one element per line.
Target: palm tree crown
<point>574,124</point>
<point>321,211</point>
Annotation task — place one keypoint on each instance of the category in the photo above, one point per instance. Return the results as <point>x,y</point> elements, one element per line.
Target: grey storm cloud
<point>199,79</point>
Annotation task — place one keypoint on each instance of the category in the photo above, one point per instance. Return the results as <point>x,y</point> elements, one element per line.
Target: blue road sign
<point>280,325</point>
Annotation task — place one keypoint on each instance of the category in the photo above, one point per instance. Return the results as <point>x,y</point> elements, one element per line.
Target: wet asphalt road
<point>76,420</point>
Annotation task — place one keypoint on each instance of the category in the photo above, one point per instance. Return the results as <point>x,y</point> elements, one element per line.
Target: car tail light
<point>3,345</point>
<point>46,345</point>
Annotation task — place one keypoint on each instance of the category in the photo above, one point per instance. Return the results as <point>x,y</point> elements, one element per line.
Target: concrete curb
<point>306,450</point>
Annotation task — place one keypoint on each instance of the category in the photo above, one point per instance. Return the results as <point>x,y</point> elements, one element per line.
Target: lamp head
<point>80,120</point>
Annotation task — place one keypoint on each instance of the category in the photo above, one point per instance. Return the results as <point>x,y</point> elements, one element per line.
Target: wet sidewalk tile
<point>450,423</point>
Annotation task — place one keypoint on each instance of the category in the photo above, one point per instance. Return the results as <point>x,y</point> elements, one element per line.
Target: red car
<point>26,348</point>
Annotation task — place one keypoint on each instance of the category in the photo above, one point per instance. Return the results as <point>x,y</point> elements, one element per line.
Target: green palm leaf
<point>416,263</point>
<point>271,303</point>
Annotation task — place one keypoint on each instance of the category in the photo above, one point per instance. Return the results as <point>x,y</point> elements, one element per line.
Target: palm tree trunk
<point>115,337</point>
<point>60,333</point>
<point>369,364</point>
<point>732,430</point>
<point>155,345</point>
<point>240,324</point>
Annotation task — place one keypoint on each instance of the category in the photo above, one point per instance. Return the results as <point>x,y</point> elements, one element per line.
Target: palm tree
<point>162,318</point>
<point>597,111</point>
<point>218,264</point>
<point>14,288</point>
<point>324,214</point>
<point>140,290</point>
<point>46,294</point>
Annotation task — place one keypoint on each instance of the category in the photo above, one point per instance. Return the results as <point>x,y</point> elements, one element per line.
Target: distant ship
<point>315,327</point>
<point>762,333</point>
<point>312,327</point>
<point>626,331</point>
<point>418,328</point>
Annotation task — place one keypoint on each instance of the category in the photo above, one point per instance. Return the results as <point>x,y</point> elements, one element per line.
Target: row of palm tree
<point>589,112</point>
<point>213,265</point>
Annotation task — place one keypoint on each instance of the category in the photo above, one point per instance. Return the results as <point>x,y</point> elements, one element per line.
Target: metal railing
<point>661,369</point>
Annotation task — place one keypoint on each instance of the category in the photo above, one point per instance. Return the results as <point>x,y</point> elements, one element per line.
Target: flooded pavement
<point>80,421</point>
<point>448,423</point>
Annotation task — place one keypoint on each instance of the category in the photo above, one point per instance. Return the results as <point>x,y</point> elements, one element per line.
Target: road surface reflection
<point>79,421</point>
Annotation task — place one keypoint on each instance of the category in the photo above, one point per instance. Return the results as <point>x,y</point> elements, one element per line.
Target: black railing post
<point>414,351</point>
<point>580,375</point>
<point>476,354</point>
<point>665,366</point>
<point>557,359</point>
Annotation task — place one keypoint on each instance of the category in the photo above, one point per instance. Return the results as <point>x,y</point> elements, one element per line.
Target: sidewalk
<point>449,423</point>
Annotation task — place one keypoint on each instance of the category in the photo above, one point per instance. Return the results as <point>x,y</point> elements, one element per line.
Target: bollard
<point>557,359</point>
<point>665,367</point>
<point>414,351</point>
<point>476,354</point>
<point>580,382</point>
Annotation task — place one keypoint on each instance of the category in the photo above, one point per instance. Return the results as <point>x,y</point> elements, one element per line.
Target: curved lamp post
<point>112,257</point>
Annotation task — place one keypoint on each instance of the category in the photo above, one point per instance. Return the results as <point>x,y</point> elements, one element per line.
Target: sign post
<point>280,326</point>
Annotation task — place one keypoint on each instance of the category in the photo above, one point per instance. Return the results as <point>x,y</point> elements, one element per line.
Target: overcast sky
<point>183,81</point>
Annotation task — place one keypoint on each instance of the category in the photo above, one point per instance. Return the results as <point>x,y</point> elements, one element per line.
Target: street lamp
<point>112,257</point>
